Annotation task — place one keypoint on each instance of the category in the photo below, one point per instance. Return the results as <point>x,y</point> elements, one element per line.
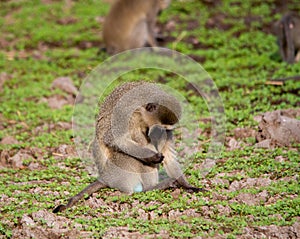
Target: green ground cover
<point>250,189</point>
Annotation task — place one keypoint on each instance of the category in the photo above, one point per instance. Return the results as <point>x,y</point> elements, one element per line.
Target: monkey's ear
<point>150,107</point>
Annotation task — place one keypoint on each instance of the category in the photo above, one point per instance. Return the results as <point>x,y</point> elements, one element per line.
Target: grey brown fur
<point>287,30</point>
<point>131,24</point>
<point>128,152</point>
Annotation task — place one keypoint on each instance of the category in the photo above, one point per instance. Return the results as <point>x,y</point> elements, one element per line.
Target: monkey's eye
<point>150,107</point>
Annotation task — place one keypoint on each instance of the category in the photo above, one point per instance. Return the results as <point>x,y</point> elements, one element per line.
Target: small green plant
<point>44,40</point>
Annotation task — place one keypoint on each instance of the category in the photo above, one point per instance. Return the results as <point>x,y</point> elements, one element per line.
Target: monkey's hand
<point>155,159</point>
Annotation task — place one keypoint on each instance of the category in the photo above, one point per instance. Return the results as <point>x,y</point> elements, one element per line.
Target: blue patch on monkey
<point>138,188</point>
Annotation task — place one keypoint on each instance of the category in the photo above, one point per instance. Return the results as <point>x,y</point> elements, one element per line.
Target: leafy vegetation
<point>248,188</point>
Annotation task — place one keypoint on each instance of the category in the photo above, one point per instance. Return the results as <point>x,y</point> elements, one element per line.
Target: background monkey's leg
<point>92,188</point>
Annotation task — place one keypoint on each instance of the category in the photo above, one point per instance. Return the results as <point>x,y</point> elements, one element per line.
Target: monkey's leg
<point>172,166</point>
<point>290,46</point>
<point>297,58</point>
<point>174,171</point>
<point>167,183</point>
<point>92,188</point>
<point>151,31</point>
<point>176,183</point>
<point>185,184</point>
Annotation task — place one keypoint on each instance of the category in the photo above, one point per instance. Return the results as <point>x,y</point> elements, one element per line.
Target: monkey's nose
<point>157,135</point>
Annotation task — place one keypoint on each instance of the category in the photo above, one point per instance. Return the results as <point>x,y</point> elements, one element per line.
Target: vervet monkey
<point>128,152</point>
<point>131,24</point>
<point>288,33</point>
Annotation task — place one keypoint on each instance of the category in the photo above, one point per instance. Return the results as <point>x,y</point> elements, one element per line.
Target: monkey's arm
<point>163,141</point>
<point>92,188</point>
<point>127,145</point>
<point>297,58</point>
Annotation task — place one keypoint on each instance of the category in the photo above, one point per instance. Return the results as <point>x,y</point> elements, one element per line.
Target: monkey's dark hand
<point>156,158</point>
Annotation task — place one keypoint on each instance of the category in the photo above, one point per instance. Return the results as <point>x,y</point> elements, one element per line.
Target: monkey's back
<point>148,90</point>
<point>106,108</point>
<point>117,169</point>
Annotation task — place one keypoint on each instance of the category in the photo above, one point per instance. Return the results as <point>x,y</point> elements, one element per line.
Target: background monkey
<point>127,158</point>
<point>131,24</point>
<point>288,33</point>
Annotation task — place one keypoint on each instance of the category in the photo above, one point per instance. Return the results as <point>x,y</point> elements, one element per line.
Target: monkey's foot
<point>195,190</point>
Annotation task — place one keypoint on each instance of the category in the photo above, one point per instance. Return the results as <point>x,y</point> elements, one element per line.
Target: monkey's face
<point>155,114</point>
<point>150,115</point>
<point>166,116</point>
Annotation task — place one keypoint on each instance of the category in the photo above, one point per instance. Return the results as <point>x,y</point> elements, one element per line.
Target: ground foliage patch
<point>252,192</point>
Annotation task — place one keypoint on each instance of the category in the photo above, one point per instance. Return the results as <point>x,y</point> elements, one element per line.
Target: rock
<point>67,20</point>
<point>9,140</point>
<point>58,101</point>
<point>241,133</point>
<point>43,224</point>
<point>276,129</point>
<point>17,160</point>
<point>273,231</point>
<point>65,84</point>
<point>233,144</point>
<point>251,199</point>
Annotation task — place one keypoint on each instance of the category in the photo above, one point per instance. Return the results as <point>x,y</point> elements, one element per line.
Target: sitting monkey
<point>134,134</point>
<point>131,24</point>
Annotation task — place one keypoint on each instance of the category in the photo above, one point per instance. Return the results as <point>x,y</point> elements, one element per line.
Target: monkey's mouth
<point>168,127</point>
